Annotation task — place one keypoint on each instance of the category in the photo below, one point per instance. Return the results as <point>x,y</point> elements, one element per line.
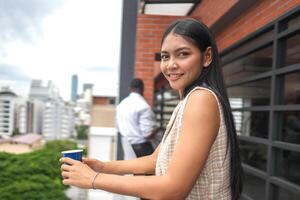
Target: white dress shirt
<point>135,118</point>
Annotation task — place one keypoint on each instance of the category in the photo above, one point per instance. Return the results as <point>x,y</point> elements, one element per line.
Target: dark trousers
<point>143,149</point>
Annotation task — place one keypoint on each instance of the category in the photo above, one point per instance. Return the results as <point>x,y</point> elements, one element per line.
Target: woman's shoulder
<point>201,103</point>
<point>202,96</point>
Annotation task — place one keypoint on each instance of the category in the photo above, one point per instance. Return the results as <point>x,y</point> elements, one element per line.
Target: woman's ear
<point>207,57</point>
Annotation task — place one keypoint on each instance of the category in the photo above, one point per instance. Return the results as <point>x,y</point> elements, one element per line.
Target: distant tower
<point>87,86</point>
<point>74,87</point>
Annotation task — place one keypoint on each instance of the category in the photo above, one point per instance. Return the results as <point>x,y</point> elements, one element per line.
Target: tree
<point>82,132</point>
<point>35,175</point>
<point>16,131</point>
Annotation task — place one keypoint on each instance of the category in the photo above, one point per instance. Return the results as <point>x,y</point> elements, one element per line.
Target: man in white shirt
<point>136,121</point>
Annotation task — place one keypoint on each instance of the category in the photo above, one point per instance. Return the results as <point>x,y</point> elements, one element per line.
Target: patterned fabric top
<point>214,179</point>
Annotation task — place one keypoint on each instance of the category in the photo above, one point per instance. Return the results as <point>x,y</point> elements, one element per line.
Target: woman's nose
<point>173,65</point>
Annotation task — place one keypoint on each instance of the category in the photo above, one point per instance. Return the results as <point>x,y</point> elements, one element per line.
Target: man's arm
<point>153,133</point>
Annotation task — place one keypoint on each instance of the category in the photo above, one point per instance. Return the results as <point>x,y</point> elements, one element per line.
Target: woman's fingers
<point>65,174</point>
<point>68,161</point>
<point>65,167</point>
<point>66,182</point>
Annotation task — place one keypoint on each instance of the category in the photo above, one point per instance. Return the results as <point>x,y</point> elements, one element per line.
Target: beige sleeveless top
<point>214,179</point>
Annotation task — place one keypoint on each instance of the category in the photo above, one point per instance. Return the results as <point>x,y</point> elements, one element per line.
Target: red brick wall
<point>149,32</point>
<point>258,15</point>
<point>209,11</point>
<point>100,100</point>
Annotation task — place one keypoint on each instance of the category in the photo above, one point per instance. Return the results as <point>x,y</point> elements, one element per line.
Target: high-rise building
<point>58,120</point>
<point>87,86</point>
<point>52,117</point>
<point>42,91</point>
<point>7,112</point>
<point>24,116</point>
<point>29,115</point>
<point>74,87</point>
<point>38,108</point>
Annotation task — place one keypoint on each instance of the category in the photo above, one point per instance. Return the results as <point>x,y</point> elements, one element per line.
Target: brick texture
<point>258,15</point>
<point>209,11</point>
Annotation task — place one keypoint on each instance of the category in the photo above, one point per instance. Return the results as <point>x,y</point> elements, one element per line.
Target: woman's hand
<point>76,173</point>
<point>95,164</point>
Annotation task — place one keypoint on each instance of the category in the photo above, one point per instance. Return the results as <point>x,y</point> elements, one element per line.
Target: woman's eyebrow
<point>182,48</point>
<point>176,50</point>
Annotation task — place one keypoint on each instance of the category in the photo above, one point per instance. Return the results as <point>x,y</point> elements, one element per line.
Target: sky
<point>54,39</point>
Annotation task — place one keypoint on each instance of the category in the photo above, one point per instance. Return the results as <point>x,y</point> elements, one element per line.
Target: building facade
<point>7,113</point>
<point>58,120</point>
<point>87,86</point>
<point>42,90</point>
<point>24,113</point>
<point>52,117</point>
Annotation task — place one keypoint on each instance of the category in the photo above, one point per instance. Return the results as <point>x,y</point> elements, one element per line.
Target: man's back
<point>135,118</point>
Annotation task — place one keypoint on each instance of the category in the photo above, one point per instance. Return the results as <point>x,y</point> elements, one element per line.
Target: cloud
<point>99,69</point>
<point>10,72</point>
<point>15,78</point>
<point>22,19</point>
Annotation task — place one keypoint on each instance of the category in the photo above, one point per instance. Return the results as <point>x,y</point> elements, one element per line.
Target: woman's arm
<point>200,126</point>
<point>142,165</point>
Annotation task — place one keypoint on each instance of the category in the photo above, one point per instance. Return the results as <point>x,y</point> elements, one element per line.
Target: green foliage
<point>16,131</point>
<point>82,132</point>
<point>35,175</point>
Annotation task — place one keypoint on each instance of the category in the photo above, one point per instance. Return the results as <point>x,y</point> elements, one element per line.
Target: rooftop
<point>27,139</point>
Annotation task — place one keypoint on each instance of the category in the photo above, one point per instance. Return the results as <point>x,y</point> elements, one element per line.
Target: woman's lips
<point>174,77</point>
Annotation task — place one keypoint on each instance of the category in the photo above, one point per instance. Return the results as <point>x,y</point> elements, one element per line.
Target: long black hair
<point>212,77</point>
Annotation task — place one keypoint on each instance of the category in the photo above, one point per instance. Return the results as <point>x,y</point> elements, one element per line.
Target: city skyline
<point>51,41</point>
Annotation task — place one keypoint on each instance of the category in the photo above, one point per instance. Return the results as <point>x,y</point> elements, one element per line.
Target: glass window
<point>291,22</point>
<point>288,125</point>
<point>250,65</point>
<point>256,93</point>
<point>280,193</point>
<point>291,51</point>
<point>254,187</point>
<point>287,165</point>
<point>254,154</point>
<point>252,123</point>
<point>291,88</point>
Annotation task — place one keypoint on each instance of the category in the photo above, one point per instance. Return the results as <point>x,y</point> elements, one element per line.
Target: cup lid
<point>72,151</point>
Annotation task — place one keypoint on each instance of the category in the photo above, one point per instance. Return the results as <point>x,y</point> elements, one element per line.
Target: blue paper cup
<point>74,154</point>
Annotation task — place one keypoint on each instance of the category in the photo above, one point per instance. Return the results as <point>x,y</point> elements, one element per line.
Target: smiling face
<point>181,62</point>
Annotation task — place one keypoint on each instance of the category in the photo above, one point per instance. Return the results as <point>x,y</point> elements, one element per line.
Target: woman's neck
<point>180,92</point>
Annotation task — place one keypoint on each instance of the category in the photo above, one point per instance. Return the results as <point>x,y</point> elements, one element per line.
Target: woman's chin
<point>174,86</point>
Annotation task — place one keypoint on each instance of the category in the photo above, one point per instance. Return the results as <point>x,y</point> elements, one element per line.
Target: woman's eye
<point>164,57</point>
<point>183,54</point>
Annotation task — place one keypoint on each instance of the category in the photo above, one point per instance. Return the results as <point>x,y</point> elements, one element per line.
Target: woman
<point>198,157</point>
